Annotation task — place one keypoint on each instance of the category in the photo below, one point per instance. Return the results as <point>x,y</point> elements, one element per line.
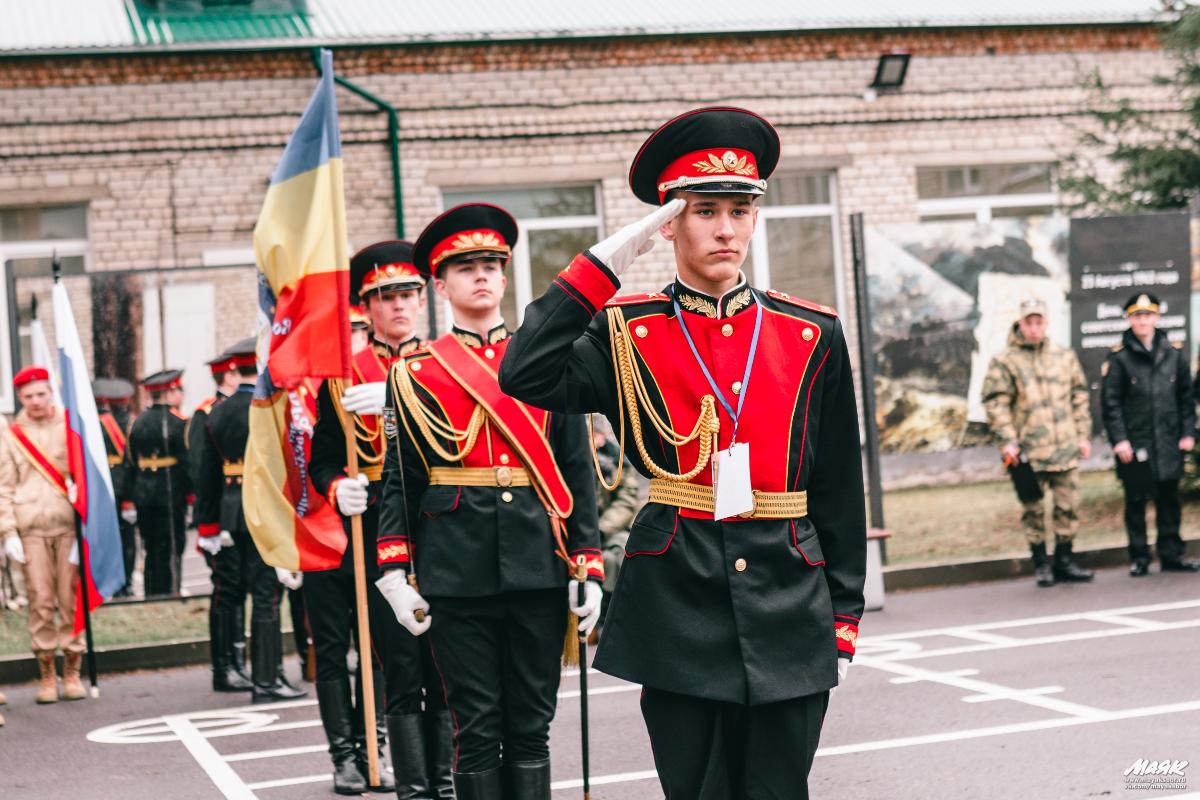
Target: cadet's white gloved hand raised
<point>14,550</point>
<point>589,612</point>
<point>405,601</point>
<point>618,251</point>
<point>352,496</point>
<point>365,398</point>
<point>292,580</point>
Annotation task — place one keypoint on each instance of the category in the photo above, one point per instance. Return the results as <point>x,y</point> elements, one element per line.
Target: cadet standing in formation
<point>737,626</point>
<point>383,278</point>
<point>112,402</point>
<point>157,459</point>
<point>482,497</point>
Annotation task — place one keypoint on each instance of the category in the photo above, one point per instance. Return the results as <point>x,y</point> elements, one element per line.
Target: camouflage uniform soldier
<point>1037,404</point>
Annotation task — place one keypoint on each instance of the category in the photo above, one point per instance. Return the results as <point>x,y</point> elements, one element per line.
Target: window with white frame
<point>984,192</point>
<point>556,223</point>
<point>796,248</point>
<point>30,237</point>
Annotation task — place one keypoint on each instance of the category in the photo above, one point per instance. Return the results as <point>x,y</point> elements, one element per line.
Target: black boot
<point>530,780</point>
<point>1041,565</point>
<point>478,785</point>
<point>238,639</point>
<point>439,753</point>
<point>333,698</point>
<point>1139,568</point>
<point>225,677</point>
<point>1180,565</point>
<point>1067,570</point>
<point>266,664</point>
<point>406,741</point>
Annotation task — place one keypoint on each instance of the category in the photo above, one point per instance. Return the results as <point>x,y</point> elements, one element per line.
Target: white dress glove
<point>365,398</point>
<point>129,515</point>
<point>292,580</point>
<point>14,550</point>
<point>589,612</point>
<point>618,251</point>
<point>209,544</point>
<point>843,669</point>
<point>73,557</point>
<point>405,601</point>
<point>352,496</point>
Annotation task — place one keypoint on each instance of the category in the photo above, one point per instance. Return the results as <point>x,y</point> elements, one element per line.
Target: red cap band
<point>711,165</point>
<point>472,241</point>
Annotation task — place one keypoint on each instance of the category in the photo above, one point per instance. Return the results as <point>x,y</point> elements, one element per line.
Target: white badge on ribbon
<point>731,483</point>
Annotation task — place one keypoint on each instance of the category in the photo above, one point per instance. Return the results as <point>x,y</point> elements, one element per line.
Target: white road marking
<point>962,673</point>
<point>227,781</point>
<point>277,753</point>
<point>979,636</point>
<point>598,690</point>
<point>987,698</point>
<point>291,781</point>
<point>603,780</point>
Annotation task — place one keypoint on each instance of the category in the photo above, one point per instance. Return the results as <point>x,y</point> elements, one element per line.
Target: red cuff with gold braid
<point>588,282</point>
<point>392,550</point>
<point>845,629</point>
<point>207,529</point>
<point>594,563</point>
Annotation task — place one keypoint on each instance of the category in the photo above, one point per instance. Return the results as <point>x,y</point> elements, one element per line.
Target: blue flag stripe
<point>316,139</point>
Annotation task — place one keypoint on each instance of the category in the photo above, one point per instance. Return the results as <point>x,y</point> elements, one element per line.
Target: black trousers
<point>128,550</point>
<point>499,658</point>
<point>709,750</point>
<point>238,571</point>
<point>1168,514</point>
<point>164,545</point>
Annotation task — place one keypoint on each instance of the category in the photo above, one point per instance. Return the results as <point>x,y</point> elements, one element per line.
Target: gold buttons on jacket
<point>727,330</point>
<point>416,366</point>
<point>740,565</point>
<point>737,387</point>
<point>506,497</point>
<point>807,335</point>
<point>489,353</point>
<point>642,331</point>
<point>504,458</point>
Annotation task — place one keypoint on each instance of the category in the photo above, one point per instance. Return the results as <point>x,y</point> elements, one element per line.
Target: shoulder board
<point>175,411</point>
<point>828,311</point>
<point>1177,345</point>
<point>1116,348</point>
<point>634,299</point>
<point>206,405</point>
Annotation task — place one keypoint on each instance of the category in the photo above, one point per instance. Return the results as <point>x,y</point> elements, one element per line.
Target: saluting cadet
<point>157,458</point>
<point>739,600</point>
<point>223,536</point>
<point>383,278</point>
<point>489,494</point>
<point>112,401</point>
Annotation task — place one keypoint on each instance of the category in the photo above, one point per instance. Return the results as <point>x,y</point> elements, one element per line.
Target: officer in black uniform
<point>383,279</point>
<point>112,401</point>
<point>157,459</point>
<point>236,563</point>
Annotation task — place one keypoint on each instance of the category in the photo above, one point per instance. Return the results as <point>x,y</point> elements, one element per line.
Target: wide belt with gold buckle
<point>478,476</point>
<point>233,469</point>
<point>767,505</point>
<point>155,463</point>
<point>114,459</point>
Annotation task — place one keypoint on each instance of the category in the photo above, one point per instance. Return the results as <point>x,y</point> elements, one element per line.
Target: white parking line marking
<point>290,781</point>
<point>603,780</point>
<point>987,698</point>
<point>980,636</point>
<point>628,687</point>
<point>282,751</point>
<point>227,781</point>
<point>959,673</point>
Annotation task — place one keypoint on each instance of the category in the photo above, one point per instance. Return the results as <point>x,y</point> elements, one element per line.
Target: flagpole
<point>367,667</point>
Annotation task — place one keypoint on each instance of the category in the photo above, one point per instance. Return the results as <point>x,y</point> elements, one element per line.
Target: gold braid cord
<point>632,393</point>
<point>362,432</point>
<point>430,425</point>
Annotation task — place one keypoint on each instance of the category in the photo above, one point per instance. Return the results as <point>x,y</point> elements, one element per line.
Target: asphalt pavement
<point>999,690</point>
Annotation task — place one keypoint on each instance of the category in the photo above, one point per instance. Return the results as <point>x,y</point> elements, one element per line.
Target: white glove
<point>405,601</point>
<point>209,544</point>
<point>618,251</point>
<point>843,668</point>
<point>589,612</point>
<point>129,515</point>
<point>292,580</point>
<point>73,558</point>
<point>72,492</point>
<point>352,496</point>
<point>226,539</point>
<point>14,550</point>
<point>365,398</point>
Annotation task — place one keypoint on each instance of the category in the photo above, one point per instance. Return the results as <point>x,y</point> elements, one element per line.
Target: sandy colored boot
<point>48,682</point>
<point>3,701</point>
<point>72,686</point>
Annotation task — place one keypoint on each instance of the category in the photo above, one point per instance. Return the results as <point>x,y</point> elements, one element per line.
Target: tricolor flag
<point>101,562</point>
<point>304,286</point>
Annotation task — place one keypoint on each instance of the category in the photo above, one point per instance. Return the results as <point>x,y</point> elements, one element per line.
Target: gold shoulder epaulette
<point>1118,347</point>
<point>634,299</point>
<point>828,311</point>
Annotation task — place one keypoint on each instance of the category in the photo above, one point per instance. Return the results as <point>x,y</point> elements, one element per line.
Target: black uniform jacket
<point>1146,397</point>
<point>196,434</point>
<point>743,610</point>
<point>158,487</point>
<point>116,439</point>
<point>221,448</point>
<point>475,541</point>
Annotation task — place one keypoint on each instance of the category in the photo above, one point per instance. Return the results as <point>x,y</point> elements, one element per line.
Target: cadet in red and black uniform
<point>737,626</point>
<point>112,401</point>
<point>237,567</point>
<point>384,279</point>
<point>480,487</point>
<point>157,459</point>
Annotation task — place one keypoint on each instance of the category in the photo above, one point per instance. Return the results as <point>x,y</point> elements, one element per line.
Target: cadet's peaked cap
<point>161,381</point>
<point>383,267</point>
<point>112,390</point>
<point>1141,301</point>
<point>358,318</point>
<point>725,150</point>
<point>469,231</point>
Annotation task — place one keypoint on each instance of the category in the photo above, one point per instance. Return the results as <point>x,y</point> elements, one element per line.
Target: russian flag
<point>101,561</point>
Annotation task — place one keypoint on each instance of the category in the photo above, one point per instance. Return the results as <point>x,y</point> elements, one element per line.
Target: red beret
<point>29,375</point>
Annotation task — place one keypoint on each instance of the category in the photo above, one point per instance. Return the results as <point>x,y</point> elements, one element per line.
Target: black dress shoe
<point>1180,565</point>
<point>1139,568</point>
